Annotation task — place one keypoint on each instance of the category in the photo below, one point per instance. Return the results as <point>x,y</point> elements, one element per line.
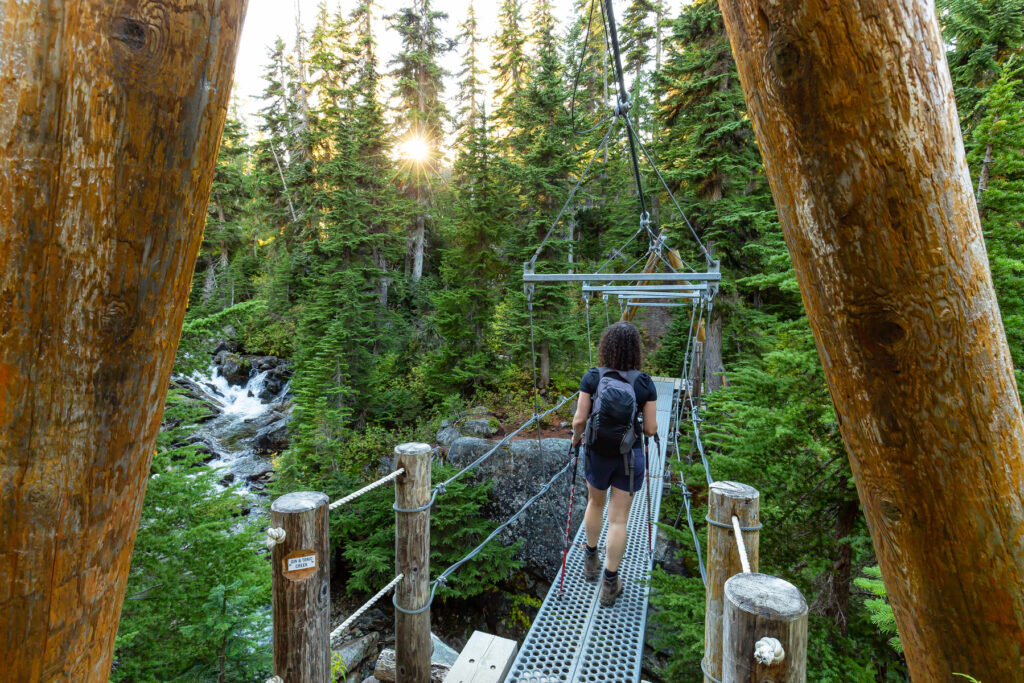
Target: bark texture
<point>853,108</point>
<point>302,598</point>
<point>109,126</point>
<point>412,559</point>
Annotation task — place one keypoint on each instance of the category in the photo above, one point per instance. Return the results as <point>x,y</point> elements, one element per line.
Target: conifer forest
<point>363,255</point>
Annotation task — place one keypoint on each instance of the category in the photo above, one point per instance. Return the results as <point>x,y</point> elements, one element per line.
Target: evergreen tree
<point>995,152</point>
<point>510,63</point>
<point>226,266</point>
<point>421,113</point>
<point>199,590</point>
<point>982,35</point>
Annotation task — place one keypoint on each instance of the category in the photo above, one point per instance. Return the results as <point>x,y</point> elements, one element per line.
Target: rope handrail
<point>442,578</point>
<point>366,489</point>
<point>741,548</point>
<point>347,624</point>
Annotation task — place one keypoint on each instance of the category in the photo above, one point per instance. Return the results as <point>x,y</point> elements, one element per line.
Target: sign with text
<point>299,564</point>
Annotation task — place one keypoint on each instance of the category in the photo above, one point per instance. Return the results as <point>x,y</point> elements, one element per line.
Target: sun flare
<point>415,149</point>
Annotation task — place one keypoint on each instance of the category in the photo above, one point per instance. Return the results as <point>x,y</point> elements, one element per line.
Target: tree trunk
<point>713,367</point>
<point>419,240</point>
<point>853,108</point>
<point>983,175</point>
<point>108,141</point>
<point>545,364</point>
<point>210,281</point>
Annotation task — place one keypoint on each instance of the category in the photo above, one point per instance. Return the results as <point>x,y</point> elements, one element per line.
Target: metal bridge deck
<point>573,638</point>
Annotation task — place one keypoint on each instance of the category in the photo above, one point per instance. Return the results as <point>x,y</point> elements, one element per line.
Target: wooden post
<point>725,499</point>
<point>301,585</point>
<point>412,557</point>
<point>853,108</point>
<point>759,606</point>
<point>112,115</point>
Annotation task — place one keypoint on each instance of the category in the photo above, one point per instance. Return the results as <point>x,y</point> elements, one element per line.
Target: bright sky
<point>267,19</point>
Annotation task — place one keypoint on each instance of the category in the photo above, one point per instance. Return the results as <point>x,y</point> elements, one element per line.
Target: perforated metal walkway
<point>573,638</point>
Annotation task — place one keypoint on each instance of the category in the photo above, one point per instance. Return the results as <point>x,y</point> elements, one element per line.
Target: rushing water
<point>244,430</point>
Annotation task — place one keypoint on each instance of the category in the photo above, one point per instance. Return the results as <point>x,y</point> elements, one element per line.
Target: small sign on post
<point>299,564</point>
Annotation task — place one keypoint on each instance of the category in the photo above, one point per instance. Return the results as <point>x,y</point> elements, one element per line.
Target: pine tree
<point>422,114</point>
<point>510,63</point>
<point>225,266</point>
<point>995,152</point>
<point>982,36</point>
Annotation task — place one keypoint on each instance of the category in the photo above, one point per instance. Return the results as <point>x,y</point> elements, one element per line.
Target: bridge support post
<point>301,588</point>
<point>725,499</point>
<point>412,557</point>
<point>759,608</point>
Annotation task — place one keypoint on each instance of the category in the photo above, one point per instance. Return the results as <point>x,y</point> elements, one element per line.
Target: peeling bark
<point>853,109</point>
<point>109,126</point>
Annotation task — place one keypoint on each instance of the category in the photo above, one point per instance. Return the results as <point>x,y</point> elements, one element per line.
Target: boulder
<point>355,652</point>
<point>264,363</point>
<point>443,654</point>
<point>273,383</point>
<point>225,345</point>
<point>235,370</point>
<point>480,427</point>
<point>519,469</point>
<point>447,435</point>
<point>273,438</point>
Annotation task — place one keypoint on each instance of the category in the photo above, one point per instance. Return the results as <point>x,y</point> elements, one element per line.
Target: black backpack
<point>612,427</point>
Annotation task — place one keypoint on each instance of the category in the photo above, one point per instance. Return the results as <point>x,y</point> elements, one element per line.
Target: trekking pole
<point>647,492</point>
<point>568,525</point>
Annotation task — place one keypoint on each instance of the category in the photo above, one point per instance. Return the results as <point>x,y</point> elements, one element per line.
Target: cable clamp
<point>623,106</point>
<point>441,489</point>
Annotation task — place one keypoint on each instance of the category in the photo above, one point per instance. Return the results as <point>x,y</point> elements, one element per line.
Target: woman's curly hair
<point>619,348</point>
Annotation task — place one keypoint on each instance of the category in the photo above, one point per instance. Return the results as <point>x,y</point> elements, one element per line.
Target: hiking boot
<point>591,566</point>
<point>610,590</point>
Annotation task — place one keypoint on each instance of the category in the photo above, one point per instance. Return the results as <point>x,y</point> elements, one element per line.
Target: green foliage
<point>363,536</point>
<point>198,592</point>
<point>879,608</point>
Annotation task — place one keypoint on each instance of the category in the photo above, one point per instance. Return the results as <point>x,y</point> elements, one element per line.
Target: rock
<point>273,438</point>
<point>441,662</point>
<point>263,363</point>
<point>354,652</point>
<point>443,654</point>
<point>371,679</point>
<point>273,383</point>
<point>518,471</point>
<point>235,370</point>
<point>227,479</point>
<point>225,346</point>
<point>446,436</point>
<point>480,427</point>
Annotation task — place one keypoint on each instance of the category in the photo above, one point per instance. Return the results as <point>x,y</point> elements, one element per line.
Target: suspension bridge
<point>572,636</point>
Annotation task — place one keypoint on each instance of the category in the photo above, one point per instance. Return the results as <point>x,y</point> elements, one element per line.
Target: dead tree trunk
<point>853,108</point>
<point>108,139</point>
<point>714,370</point>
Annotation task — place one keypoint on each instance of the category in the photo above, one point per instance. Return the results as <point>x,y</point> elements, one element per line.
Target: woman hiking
<point>612,399</point>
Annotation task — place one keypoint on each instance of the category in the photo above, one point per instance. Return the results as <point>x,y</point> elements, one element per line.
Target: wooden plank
<point>485,659</point>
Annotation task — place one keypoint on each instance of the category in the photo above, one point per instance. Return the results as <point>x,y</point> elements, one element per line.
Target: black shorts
<point>604,471</point>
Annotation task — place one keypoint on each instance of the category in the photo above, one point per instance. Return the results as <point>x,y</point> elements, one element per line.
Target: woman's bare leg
<point>592,521</point>
<point>618,513</point>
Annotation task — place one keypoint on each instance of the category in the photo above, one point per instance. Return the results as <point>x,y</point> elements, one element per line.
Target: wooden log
<point>853,109</point>
<point>412,557</point>
<point>725,499</point>
<point>109,130</point>
<point>759,606</point>
<point>301,588</point>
